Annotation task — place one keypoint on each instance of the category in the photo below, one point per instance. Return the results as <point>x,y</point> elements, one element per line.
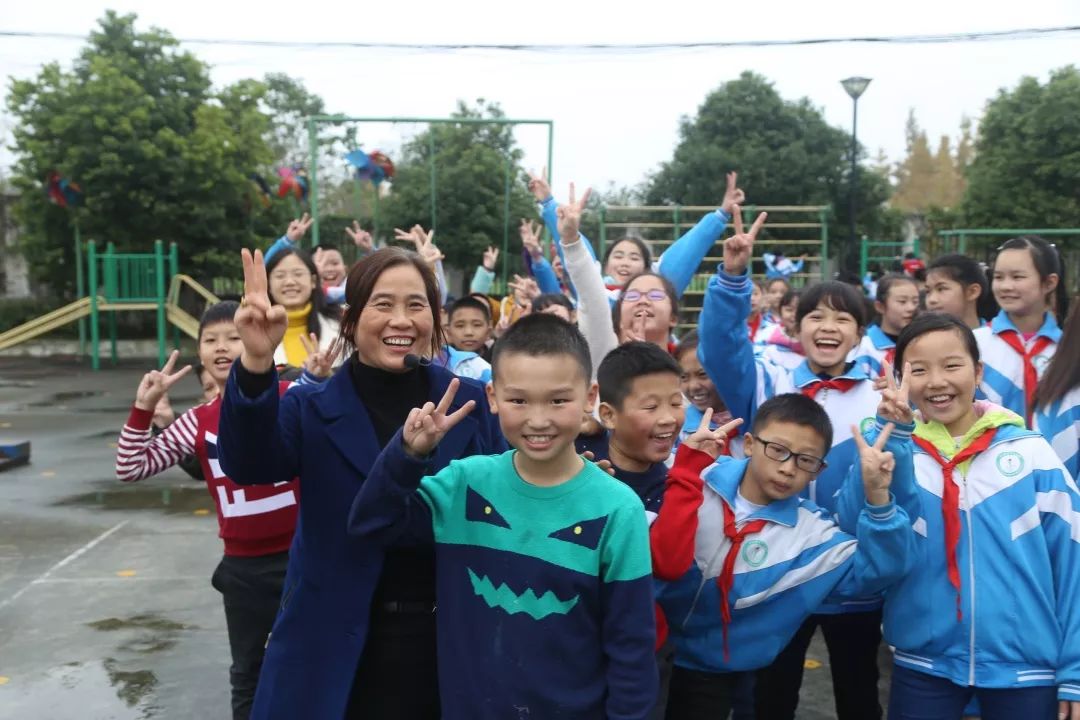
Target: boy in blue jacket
<point>544,587</point>
<point>745,560</point>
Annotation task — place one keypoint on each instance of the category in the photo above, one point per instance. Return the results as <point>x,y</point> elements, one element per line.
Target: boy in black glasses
<point>745,560</point>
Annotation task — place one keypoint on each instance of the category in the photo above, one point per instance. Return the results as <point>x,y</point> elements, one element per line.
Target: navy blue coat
<point>323,435</point>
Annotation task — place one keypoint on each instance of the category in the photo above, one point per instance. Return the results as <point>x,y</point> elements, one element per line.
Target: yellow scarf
<point>295,354</point>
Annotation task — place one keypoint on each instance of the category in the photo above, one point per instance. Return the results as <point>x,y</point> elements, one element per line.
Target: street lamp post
<point>855,86</point>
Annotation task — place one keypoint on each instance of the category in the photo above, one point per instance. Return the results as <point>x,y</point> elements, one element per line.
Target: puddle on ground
<point>139,622</point>
<point>170,500</point>
<point>103,689</point>
<point>61,398</point>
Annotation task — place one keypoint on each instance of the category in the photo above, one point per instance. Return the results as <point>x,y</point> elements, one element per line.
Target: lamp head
<point>855,86</point>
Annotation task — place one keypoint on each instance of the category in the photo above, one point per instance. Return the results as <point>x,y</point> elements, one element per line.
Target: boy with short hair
<point>641,411</point>
<point>544,582</point>
<point>468,328</point>
<point>746,560</point>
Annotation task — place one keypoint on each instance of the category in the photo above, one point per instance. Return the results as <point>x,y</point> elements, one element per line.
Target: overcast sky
<point>616,115</point>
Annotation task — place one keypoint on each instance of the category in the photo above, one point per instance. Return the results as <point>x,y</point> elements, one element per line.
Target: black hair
<point>837,295</point>
<point>325,247</point>
<point>967,271</point>
<point>934,322</point>
<point>642,246</point>
<point>543,335</point>
<point>627,362</point>
<point>790,295</point>
<point>797,409</point>
<point>687,342</point>
<point>669,289</point>
<point>220,312</point>
<point>1047,262</point>
<point>319,305</point>
<point>543,302</point>
<point>1063,372</point>
<point>885,284</point>
<point>469,302</point>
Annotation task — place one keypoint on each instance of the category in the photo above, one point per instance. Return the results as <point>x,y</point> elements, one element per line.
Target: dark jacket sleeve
<point>389,507</point>
<point>258,437</point>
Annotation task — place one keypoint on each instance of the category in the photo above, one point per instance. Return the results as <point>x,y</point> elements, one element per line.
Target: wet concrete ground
<point>106,608</point>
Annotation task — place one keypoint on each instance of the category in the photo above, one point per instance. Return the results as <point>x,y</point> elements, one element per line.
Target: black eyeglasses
<point>781,453</point>
<point>635,295</point>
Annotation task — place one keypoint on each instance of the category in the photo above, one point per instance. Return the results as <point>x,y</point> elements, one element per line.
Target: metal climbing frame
<point>893,251</point>
<point>313,163</point>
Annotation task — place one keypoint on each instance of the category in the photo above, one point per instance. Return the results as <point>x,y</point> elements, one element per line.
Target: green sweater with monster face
<point>545,603</point>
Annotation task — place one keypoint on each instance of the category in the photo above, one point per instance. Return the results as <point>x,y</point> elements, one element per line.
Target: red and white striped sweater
<point>252,520</point>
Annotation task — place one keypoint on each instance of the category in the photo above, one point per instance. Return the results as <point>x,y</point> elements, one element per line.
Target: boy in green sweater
<point>543,570</point>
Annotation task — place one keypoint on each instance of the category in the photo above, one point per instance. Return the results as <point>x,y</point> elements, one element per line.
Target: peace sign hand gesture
<point>530,239</point>
<point>740,247</point>
<point>261,324</point>
<point>538,185</point>
<point>298,227</point>
<point>569,216</point>
<point>320,363</point>
<point>426,426</point>
<point>877,465</point>
<point>156,383</point>
<point>733,195</point>
<point>360,237</point>
<point>491,256</point>
<point>711,441</point>
<point>895,405</point>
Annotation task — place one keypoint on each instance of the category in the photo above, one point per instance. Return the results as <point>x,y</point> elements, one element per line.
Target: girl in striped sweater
<point>256,523</point>
<point>1057,400</point>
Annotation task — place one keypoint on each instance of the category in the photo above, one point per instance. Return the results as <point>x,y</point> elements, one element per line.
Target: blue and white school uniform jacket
<point>1018,556</point>
<point>1059,423</point>
<point>1003,368</point>
<point>745,381</point>
<point>872,350</point>
<point>692,421</point>
<point>465,363</point>
<point>783,573</point>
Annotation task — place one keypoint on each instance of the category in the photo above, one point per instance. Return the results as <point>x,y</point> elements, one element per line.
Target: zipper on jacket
<point>701,587</point>
<point>971,582</point>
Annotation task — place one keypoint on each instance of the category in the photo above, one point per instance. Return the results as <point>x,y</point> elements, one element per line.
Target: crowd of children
<point>554,505</point>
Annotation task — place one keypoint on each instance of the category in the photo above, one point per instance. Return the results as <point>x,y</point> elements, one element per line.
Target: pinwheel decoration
<point>375,166</point>
<point>263,188</point>
<point>294,181</point>
<point>62,191</point>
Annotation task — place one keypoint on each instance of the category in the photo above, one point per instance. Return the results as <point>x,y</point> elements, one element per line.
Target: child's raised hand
<point>604,465</point>
<point>163,412</point>
<point>298,227</point>
<point>733,195</point>
<point>261,324</point>
<point>530,239</point>
<point>538,185</point>
<point>156,383</point>
<point>877,465</point>
<point>427,425</point>
<point>740,247</point>
<point>361,238</point>
<point>491,256</point>
<point>895,405</point>
<point>569,216</point>
<point>707,440</point>
<point>320,363</point>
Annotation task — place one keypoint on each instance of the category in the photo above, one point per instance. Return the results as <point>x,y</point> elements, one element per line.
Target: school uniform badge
<point>754,553</point>
<point>1010,464</point>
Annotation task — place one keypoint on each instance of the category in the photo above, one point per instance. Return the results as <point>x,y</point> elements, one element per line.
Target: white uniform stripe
<point>828,561</point>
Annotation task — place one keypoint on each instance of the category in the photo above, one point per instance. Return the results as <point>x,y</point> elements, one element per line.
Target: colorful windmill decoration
<point>62,191</point>
<point>294,181</point>
<point>375,166</point>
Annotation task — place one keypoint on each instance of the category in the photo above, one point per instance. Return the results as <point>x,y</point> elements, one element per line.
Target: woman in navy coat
<point>355,632</point>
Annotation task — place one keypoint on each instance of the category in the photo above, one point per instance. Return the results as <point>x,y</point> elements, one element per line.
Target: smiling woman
<point>355,636</point>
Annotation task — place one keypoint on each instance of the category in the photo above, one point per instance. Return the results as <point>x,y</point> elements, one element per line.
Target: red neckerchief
<point>754,326</point>
<point>841,384</point>
<point>727,573</point>
<point>950,500</point>
<point>1031,377</point>
<point>890,357</point>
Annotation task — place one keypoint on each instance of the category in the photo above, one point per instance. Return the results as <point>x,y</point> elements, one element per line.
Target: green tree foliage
<point>470,168</point>
<point>158,152</point>
<point>784,151</point>
<point>1026,171</point>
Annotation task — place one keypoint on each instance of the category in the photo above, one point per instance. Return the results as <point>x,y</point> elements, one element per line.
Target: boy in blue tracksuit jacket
<point>745,560</point>
<point>829,321</point>
<point>989,609</point>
